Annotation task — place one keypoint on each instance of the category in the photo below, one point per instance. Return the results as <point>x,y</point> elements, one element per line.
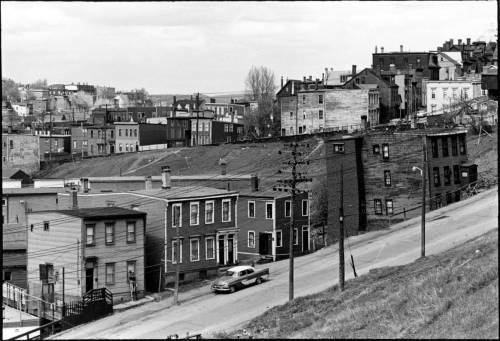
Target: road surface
<point>207,313</point>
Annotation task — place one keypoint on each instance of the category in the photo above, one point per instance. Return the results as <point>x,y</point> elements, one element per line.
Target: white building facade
<point>443,94</point>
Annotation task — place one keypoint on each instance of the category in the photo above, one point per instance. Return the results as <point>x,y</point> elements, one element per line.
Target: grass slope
<point>450,295</point>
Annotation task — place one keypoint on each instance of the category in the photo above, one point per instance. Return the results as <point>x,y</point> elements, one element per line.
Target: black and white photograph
<point>182,170</point>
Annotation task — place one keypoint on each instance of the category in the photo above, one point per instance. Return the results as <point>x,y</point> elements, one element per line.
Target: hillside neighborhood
<point>118,200</point>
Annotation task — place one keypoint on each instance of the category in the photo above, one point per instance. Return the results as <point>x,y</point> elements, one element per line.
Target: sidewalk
<point>132,304</point>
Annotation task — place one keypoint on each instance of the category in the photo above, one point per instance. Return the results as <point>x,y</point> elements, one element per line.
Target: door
<point>89,279</point>
<point>265,243</point>
<point>230,250</point>
<point>221,250</point>
<point>305,239</point>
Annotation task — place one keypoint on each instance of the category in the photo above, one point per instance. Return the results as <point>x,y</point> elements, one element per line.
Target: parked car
<point>239,277</point>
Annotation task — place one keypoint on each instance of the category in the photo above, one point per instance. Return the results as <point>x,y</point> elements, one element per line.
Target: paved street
<point>202,311</point>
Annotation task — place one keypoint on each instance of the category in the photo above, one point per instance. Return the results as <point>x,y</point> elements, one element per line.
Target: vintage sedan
<point>239,277</point>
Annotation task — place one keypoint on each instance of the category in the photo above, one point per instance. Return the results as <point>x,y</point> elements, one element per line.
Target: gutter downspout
<point>166,241</point>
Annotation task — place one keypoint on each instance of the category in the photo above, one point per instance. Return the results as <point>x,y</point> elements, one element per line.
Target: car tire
<point>259,280</point>
<point>232,289</point>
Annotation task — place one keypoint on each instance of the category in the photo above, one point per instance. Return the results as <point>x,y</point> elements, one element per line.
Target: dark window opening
<point>444,146</point>
<point>434,147</point>
<point>338,148</point>
<point>447,175</point>
<point>454,146</point>
<point>437,181</point>
<point>376,149</point>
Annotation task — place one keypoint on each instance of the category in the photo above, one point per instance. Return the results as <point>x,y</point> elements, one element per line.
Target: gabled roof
<point>7,173</point>
<point>371,72</point>
<point>453,57</point>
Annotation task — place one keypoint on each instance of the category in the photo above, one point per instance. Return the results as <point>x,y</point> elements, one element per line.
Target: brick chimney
<point>254,182</point>
<point>282,81</point>
<point>353,70</point>
<point>85,184</point>
<point>459,41</point>
<point>148,182</point>
<point>74,199</point>
<point>376,49</point>
<point>223,167</point>
<point>165,177</point>
<point>381,49</point>
<point>400,48</point>
<point>468,41</point>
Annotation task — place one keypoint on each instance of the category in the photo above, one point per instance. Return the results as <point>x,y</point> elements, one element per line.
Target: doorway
<point>221,250</point>
<point>230,250</point>
<point>89,279</point>
<point>265,243</point>
<point>305,239</point>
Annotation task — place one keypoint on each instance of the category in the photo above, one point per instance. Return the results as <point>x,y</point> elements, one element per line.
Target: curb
<point>116,310</point>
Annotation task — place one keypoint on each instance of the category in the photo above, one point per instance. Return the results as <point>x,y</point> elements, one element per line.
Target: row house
<point>475,55</point>
<point>17,203</point>
<point>91,140</point>
<point>95,247</point>
<point>320,110</point>
<point>133,137</point>
<point>450,65</point>
<point>442,95</point>
<point>380,185</point>
<point>54,147</point>
<point>264,224</point>
<point>202,219</point>
<point>141,113</point>
<point>106,115</point>
<point>228,112</point>
<point>388,92</point>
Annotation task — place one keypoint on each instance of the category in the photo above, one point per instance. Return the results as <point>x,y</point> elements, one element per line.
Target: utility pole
<point>50,136</point>
<point>177,260</point>
<point>63,301</point>
<point>341,231</point>
<point>424,176</point>
<point>291,186</point>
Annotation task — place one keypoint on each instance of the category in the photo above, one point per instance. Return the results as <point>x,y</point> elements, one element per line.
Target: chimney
<point>148,183</point>
<point>400,48</point>
<point>165,177</point>
<point>468,41</point>
<point>353,70</point>
<point>175,101</point>
<point>85,184</point>
<point>281,81</point>
<point>316,84</point>
<point>223,167</point>
<point>381,49</point>
<point>376,49</point>
<point>451,42</point>
<point>304,79</point>
<point>74,199</point>
<point>323,77</point>
<point>363,122</point>
<point>293,87</point>
<point>459,41</point>
<point>254,182</point>
<point>310,78</point>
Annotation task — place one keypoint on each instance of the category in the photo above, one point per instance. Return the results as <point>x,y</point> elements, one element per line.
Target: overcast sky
<point>209,47</point>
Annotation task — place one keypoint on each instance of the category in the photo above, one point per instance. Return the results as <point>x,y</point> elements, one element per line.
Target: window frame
<point>248,209</point>
<point>320,114</point>
<point>444,146</point>
<point>212,239</point>
<point>306,201</point>
<point>389,207</point>
<point>339,148</point>
<point>206,211</point>
<point>379,202</point>
<point>271,203</point>
<point>179,205</point>
<point>288,203</point>
<point>191,240</point>
<point>131,223</point>
<point>454,145</point>
<point>106,225</point>
<point>174,241</point>
<point>446,176</point>
<point>107,274</point>
<point>248,239</point>
<point>320,98</point>
<point>376,149</point>
<point>387,178</point>
<point>385,148</point>
<point>436,176</point>
<point>191,205</point>
<point>279,241</point>
<point>229,210</point>
<point>87,227</point>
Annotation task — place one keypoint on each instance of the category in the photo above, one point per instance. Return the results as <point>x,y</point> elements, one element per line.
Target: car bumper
<point>220,288</point>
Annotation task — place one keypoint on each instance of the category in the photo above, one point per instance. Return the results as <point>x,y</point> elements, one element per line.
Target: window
<point>447,175</point>
<point>126,132</point>
<point>434,147</point>
<point>305,207</point>
<point>7,276</point>
<point>110,273</point>
<point>454,146</point>
<point>433,93</point>
<point>90,228</point>
<point>195,213</point>
<point>45,225</point>
<point>135,132</point>
<point>209,212</point>
<point>288,208</point>
<point>378,206</point>
<point>112,133</point>
<point>119,132</point>
<point>385,151</point>
<point>454,92</point>
<point>387,178</point>
<point>291,114</point>
<point>279,238</point>
<point>376,149</point>
<point>251,209</point>
<point>74,144</point>
<point>194,250</point>
<point>209,248</point>
<point>110,233</point>
<point>320,114</point>
<point>456,174</point>
<point>295,236</point>
<point>320,99</point>
<point>174,251</point>
<point>131,269</point>
<point>338,148</point>
<point>120,147</point>
<point>91,133</point>
<point>437,180</point>
<point>130,231</point>
<point>444,146</point>
<point>226,210</point>
<point>269,210</point>
<point>466,93</point>
<point>303,99</point>
<point>445,92</point>
<point>388,206</point>
<point>84,143</point>
<point>4,202</point>
<point>461,141</point>
<point>176,215</point>
<point>251,239</point>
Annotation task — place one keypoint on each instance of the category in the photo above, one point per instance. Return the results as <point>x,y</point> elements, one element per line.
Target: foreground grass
<point>450,295</point>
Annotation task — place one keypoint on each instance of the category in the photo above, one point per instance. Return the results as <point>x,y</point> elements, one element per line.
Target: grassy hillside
<point>450,295</point>
<point>485,154</point>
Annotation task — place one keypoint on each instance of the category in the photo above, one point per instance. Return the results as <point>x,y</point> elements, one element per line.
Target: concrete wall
<point>24,154</point>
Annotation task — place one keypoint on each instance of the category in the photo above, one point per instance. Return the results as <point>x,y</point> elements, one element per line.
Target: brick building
<point>105,243</point>
<point>91,140</point>
<point>475,55</point>
<point>134,137</point>
<point>380,186</point>
<point>21,151</point>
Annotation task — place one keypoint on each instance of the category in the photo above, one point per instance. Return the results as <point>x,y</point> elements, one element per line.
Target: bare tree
<point>260,87</point>
<point>10,91</point>
<point>39,84</point>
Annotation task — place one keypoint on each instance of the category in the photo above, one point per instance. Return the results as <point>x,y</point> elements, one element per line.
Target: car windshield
<point>230,273</point>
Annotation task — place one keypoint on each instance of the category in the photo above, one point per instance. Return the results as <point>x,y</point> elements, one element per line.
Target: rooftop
<point>31,190</point>
<point>100,212</point>
<point>264,194</point>
<point>173,177</point>
<point>186,192</point>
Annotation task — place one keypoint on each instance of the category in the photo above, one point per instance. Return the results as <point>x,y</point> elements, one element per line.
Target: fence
<point>18,298</point>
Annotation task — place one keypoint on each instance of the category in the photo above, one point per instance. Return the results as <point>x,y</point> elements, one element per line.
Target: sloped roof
<point>100,212</point>
<point>30,191</point>
<point>184,192</point>
<point>454,57</point>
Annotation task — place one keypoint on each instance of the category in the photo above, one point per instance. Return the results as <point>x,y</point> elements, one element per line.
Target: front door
<point>265,243</point>
<point>89,279</point>
<point>230,250</point>
<point>305,239</point>
<point>221,250</point>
